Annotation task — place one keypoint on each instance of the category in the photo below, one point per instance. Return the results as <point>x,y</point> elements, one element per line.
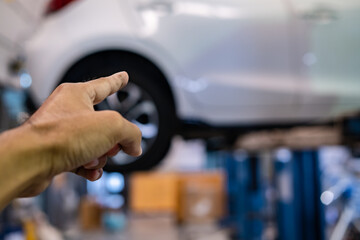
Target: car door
<point>330,55</point>
<point>233,56</point>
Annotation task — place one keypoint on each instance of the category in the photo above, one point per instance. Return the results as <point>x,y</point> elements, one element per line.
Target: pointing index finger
<point>101,88</point>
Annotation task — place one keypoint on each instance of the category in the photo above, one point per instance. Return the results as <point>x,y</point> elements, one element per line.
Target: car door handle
<point>322,15</point>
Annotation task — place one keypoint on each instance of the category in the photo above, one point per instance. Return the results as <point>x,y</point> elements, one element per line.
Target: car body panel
<point>225,51</point>
<point>227,62</point>
<point>329,53</point>
<point>61,41</point>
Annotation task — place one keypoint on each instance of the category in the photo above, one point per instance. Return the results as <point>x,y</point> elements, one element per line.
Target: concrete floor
<point>158,228</point>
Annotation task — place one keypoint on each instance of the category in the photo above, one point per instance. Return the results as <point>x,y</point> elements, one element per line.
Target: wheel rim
<point>137,106</point>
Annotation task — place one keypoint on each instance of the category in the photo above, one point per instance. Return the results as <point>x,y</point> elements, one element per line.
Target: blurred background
<point>249,112</point>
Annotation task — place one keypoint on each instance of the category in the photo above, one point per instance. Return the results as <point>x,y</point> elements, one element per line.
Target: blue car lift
<point>300,214</point>
<point>245,197</point>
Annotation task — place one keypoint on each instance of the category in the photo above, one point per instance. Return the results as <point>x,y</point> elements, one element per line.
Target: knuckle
<point>114,118</point>
<point>115,115</point>
<point>66,87</point>
<point>90,91</point>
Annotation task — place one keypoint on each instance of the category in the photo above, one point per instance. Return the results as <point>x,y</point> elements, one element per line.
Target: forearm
<point>20,162</point>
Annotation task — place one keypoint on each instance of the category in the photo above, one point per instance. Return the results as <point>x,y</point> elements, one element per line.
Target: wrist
<point>22,162</point>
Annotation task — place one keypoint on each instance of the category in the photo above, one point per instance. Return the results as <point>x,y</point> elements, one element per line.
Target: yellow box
<point>202,197</point>
<point>154,193</point>
<point>191,197</point>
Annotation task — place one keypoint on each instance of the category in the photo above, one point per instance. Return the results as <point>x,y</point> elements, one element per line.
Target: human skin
<point>65,134</point>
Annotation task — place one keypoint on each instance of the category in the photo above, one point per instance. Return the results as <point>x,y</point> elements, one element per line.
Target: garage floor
<point>159,228</point>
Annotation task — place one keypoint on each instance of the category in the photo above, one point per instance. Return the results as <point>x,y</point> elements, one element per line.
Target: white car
<point>221,63</point>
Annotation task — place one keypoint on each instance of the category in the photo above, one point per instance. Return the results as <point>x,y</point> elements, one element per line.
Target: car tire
<point>146,88</point>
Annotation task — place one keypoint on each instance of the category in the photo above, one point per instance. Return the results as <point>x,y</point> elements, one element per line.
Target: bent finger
<point>129,139</point>
<point>89,174</point>
<point>96,164</point>
<point>124,133</point>
<point>91,164</point>
<point>113,151</point>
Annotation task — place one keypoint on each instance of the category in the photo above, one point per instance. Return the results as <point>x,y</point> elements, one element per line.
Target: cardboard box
<point>154,193</point>
<point>90,214</point>
<point>191,197</point>
<point>202,197</point>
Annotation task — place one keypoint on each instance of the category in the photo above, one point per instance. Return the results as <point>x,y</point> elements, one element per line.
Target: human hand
<point>74,137</point>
